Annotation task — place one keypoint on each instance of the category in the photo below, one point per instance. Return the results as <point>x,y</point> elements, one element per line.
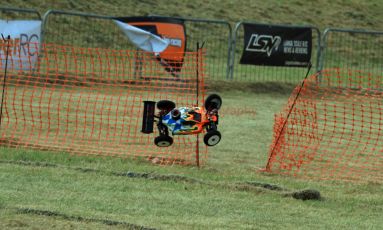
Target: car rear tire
<point>163,141</point>
<point>213,101</point>
<point>212,138</point>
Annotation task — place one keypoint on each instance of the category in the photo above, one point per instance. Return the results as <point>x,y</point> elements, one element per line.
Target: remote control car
<point>182,120</point>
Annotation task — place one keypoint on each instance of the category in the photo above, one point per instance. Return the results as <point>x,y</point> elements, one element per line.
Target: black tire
<point>213,101</point>
<point>212,138</point>
<point>163,141</point>
<point>166,105</point>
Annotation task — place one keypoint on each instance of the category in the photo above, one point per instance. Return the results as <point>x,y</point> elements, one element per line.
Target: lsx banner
<point>276,45</point>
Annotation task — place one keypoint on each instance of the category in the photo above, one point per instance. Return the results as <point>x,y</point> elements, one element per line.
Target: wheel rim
<point>163,143</point>
<point>213,140</point>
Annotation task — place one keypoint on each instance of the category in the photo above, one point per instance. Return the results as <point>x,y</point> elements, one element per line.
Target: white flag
<point>143,39</point>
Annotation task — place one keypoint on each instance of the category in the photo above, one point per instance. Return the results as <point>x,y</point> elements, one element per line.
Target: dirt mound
<point>253,87</point>
<point>307,194</point>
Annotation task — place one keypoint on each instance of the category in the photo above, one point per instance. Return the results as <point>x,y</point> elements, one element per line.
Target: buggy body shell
<point>192,120</point>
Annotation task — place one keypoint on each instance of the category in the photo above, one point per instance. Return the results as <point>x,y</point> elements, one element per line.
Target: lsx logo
<point>263,43</point>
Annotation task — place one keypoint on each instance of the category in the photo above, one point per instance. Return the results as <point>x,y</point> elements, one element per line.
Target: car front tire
<point>212,138</point>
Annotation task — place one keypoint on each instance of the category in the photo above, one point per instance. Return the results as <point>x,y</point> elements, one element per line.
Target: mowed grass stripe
<point>100,196</point>
<point>248,186</point>
<point>47,213</point>
<point>163,204</point>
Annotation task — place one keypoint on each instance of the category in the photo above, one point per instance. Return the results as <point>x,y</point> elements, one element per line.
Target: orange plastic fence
<point>332,130</point>
<point>89,101</point>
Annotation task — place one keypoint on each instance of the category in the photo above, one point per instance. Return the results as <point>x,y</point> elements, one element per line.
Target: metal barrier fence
<point>258,73</point>
<point>343,48</point>
<point>7,13</point>
<point>216,35</point>
<point>80,29</point>
<point>353,49</point>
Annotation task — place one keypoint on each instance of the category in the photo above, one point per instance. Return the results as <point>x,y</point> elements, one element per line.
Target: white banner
<point>143,39</point>
<point>23,44</point>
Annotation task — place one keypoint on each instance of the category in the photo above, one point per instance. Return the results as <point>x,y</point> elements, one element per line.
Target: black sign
<point>276,45</point>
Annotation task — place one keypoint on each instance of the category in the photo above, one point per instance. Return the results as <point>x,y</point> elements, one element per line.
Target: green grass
<point>65,191</point>
<point>327,13</point>
<point>58,190</point>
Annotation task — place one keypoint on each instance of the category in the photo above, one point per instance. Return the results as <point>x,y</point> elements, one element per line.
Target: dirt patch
<point>272,187</point>
<point>153,176</point>
<point>79,218</point>
<point>307,194</point>
<point>253,87</point>
<point>239,111</point>
<point>30,163</point>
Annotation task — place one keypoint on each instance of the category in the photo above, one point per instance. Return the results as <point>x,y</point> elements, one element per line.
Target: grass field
<point>59,191</point>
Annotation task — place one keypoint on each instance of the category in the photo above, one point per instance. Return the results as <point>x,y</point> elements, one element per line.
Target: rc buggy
<point>182,120</point>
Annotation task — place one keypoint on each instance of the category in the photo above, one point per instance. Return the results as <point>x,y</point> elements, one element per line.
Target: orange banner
<point>169,29</point>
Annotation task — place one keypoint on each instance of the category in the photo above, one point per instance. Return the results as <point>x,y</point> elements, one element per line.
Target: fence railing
<point>353,49</point>
<point>346,48</point>
<point>82,29</point>
<point>100,31</point>
<point>12,13</point>
<point>216,35</point>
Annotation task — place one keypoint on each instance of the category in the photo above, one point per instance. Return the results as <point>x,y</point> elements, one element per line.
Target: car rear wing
<point>148,117</point>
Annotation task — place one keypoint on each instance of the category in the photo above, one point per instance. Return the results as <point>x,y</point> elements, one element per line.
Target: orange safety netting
<point>89,101</point>
<point>331,128</point>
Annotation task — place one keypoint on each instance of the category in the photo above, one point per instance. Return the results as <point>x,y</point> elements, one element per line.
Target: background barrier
<point>216,35</point>
<point>89,30</point>
<point>353,49</point>
<point>83,30</point>
<point>329,131</point>
<point>88,101</point>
